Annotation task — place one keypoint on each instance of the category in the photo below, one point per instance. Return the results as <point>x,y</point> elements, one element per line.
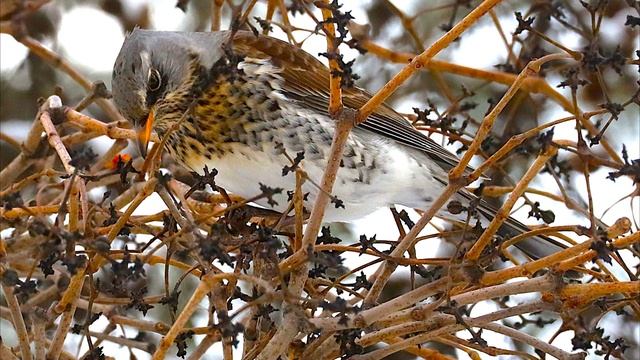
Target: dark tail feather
<point>536,247</point>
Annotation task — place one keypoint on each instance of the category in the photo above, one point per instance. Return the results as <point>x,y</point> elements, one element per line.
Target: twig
<point>504,211</point>
<point>147,190</point>
<point>24,160</point>
<point>54,104</point>
<point>424,58</point>
<point>533,341</point>
<point>216,14</point>
<point>208,282</point>
<point>204,345</point>
<point>38,326</point>
<point>285,334</point>
<point>67,307</point>
<point>141,345</point>
<point>18,321</point>
<point>474,322</point>
<point>6,353</point>
<point>497,276</point>
<point>335,98</point>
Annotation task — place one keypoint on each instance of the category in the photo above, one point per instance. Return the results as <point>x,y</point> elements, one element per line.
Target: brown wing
<point>307,81</point>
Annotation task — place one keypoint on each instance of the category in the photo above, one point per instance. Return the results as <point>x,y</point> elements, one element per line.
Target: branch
<point>421,60</point>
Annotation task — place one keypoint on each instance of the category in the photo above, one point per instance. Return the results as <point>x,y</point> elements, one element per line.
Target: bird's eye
<point>155,81</point>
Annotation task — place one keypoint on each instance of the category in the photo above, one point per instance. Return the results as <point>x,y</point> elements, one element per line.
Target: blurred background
<point>89,34</point>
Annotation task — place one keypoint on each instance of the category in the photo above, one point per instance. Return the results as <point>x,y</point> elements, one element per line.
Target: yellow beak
<point>144,134</point>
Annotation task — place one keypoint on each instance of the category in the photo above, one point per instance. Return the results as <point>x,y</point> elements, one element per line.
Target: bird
<point>246,104</point>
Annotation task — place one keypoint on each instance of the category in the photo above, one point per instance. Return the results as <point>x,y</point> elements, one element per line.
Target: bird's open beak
<point>144,134</point>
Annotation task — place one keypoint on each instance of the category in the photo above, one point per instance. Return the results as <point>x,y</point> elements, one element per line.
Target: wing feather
<point>307,81</point>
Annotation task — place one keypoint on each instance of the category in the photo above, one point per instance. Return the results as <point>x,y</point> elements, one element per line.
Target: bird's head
<point>153,75</point>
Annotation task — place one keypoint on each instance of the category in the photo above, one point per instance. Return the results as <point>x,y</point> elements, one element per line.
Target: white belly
<point>398,180</point>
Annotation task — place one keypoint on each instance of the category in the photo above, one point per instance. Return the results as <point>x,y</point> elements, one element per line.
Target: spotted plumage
<point>241,103</point>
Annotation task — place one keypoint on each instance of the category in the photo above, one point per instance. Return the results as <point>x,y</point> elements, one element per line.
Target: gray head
<point>154,64</point>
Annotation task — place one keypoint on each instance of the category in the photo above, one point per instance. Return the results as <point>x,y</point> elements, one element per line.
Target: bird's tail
<point>536,247</point>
